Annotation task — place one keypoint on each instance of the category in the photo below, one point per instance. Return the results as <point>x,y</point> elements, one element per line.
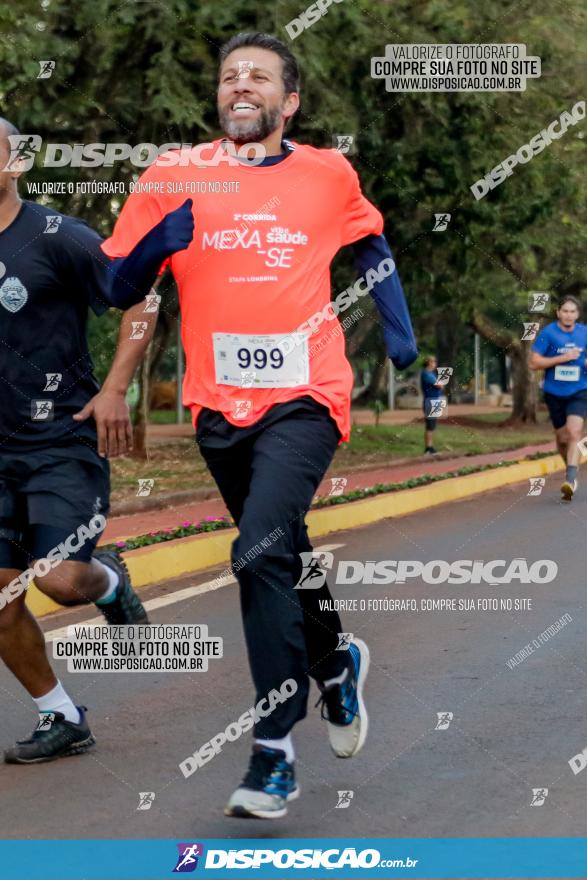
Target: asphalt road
<point>512,730</point>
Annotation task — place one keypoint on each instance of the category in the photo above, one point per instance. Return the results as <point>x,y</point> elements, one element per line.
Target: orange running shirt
<point>257,268</point>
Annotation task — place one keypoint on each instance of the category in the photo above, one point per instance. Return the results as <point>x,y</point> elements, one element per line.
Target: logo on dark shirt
<point>13,294</point>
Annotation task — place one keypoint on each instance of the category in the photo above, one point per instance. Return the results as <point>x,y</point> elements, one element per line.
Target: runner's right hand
<point>571,355</point>
<point>176,230</point>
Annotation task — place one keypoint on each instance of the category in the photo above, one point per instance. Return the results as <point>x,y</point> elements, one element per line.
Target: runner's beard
<point>248,131</point>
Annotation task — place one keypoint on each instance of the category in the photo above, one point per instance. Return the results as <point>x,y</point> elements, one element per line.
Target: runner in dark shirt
<point>56,431</point>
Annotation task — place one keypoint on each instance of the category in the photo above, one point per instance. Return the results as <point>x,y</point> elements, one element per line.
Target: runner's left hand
<point>110,411</point>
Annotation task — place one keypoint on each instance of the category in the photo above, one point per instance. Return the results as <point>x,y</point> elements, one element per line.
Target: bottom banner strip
<point>311,858</point>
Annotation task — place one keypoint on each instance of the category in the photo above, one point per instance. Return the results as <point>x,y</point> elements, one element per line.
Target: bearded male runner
<point>269,409</point>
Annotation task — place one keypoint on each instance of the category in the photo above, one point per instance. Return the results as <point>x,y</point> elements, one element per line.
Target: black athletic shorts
<point>430,422</point>
<point>561,407</point>
<point>44,498</point>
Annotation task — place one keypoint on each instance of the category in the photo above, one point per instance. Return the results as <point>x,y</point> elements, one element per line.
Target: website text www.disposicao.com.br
<point>329,859</point>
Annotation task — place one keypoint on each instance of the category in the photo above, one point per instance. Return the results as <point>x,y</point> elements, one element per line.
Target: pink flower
<point>186,524</point>
<point>121,543</point>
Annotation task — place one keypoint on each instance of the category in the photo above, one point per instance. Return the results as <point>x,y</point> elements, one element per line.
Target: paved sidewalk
<point>121,527</point>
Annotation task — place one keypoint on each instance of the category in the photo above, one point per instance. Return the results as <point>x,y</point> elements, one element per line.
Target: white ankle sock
<point>57,700</point>
<point>113,581</point>
<point>338,680</point>
<point>285,744</point>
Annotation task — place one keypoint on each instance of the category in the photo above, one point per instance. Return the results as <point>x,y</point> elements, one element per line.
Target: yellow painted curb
<point>171,559</point>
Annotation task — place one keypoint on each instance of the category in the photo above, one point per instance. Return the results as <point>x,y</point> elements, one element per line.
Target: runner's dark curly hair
<point>290,72</point>
<point>569,298</point>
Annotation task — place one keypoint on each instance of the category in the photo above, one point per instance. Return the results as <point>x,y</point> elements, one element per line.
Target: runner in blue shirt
<point>431,390</point>
<point>559,349</point>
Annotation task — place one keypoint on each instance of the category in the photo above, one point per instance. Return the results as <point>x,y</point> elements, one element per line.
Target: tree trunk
<point>446,348</point>
<point>157,348</point>
<point>524,387</point>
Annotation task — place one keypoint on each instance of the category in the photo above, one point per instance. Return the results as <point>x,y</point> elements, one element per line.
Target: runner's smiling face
<point>567,315</point>
<point>252,103</point>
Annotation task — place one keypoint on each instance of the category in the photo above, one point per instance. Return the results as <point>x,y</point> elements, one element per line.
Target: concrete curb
<point>171,559</point>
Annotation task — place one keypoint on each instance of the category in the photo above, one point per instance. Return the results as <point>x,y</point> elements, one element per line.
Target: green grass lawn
<point>168,417</point>
<point>176,464</point>
<point>379,445</point>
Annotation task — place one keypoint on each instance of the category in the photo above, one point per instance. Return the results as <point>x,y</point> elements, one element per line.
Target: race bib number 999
<point>260,361</point>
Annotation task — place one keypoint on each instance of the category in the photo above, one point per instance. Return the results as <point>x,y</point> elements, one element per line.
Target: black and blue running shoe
<point>343,707</point>
<point>269,784</point>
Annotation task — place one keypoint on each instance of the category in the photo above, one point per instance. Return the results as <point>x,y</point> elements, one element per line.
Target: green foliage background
<point>145,71</point>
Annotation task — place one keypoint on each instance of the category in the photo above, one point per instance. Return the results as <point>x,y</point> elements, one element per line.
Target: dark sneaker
<point>126,608</point>
<point>343,707</point>
<point>54,737</point>
<point>264,792</point>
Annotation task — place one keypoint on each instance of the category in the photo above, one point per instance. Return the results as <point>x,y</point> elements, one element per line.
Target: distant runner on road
<point>560,349</point>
